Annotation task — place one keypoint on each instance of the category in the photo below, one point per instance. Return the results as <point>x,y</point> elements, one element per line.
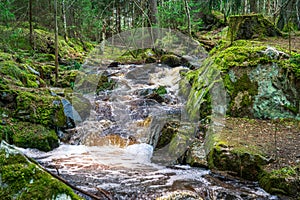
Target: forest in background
<point>97,20</point>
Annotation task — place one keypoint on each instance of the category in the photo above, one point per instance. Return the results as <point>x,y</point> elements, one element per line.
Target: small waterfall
<point>115,143</point>
<point>132,113</point>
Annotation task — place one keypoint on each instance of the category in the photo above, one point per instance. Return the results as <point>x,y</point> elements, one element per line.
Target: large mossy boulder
<point>260,82</point>
<point>251,26</point>
<point>28,135</point>
<point>23,179</point>
<point>38,106</point>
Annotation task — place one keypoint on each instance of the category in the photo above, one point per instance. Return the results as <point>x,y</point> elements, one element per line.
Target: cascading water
<point>113,147</point>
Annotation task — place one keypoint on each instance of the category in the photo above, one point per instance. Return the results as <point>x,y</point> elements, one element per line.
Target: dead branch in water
<point>93,196</point>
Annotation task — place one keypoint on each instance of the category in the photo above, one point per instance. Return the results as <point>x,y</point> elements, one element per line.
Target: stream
<point>113,148</point>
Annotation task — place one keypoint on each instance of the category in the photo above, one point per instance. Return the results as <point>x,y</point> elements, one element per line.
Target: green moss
<point>21,179</point>
<point>161,90</point>
<point>45,57</point>
<point>241,54</point>
<point>242,94</point>
<point>36,106</point>
<point>5,56</point>
<point>251,26</point>
<point>28,135</point>
<point>171,60</point>
<point>284,181</point>
<point>19,74</point>
<point>168,132</point>
<point>295,64</point>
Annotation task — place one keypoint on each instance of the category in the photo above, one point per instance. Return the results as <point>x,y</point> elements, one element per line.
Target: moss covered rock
<point>22,179</point>
<point>168,132</point>
<point>237,160</point>
<point>196,155</point>
<point>28,135</point>
<point>251,26</point>
<point>173,142</point>
<point>171,60</point>
<point>37,106</point>
<point>260,82</point>
<point>285,181</point>
<point>18,74</point>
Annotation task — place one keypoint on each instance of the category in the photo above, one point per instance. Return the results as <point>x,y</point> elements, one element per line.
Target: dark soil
<point>276,139</point>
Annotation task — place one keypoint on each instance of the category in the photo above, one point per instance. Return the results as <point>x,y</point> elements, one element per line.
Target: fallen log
<point>103,192</point>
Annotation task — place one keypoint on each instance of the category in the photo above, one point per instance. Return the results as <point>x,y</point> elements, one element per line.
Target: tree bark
<point>253,6</point>
<point>30,25</point>
<point>187,11</point>
<point>65,20</point>
<point>297,13</point>
<point>56,41</point>
<point>119,18</point>
<point>286,13</point>
<point>153,12</point>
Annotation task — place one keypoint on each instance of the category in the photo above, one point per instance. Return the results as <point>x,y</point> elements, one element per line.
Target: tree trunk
<point>118,17</point>
<point>30,25</point>
<point>246,7</point>
<point>102,46</point>
<point>187,10</point>
<point>65,20</point>
<point>253,6</point>
<point>286,12</point>
<point>153,12</point>
<point>297,13</point>
<point>56,41</point>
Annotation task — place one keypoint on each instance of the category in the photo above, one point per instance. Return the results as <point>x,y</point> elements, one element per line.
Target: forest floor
<point>275,139</point>
<point>283,42</point>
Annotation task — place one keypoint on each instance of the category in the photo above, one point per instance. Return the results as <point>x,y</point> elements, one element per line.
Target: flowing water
<point>112,149</point>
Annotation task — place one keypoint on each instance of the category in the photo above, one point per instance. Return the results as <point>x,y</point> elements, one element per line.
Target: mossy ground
<point>28,135</point>
<point>264,150</point>
<point>21,179</point>
<point>29,111</point>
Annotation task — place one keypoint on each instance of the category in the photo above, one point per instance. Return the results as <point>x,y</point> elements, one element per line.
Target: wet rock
<point>196,155</point>
<point>180,195</point>
<point>23,179</point>
<point>113,64</point>
<point>104,111</point>
<point>173,141</point>
<point>167,133</point>
<point>109,140</point>
<point>81,105</point>
<point>71,114</point>
<point>171,60</point>
<point>155,97</point>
